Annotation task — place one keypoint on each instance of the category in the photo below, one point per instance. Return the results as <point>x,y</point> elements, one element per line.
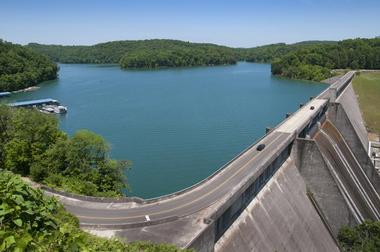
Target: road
<point>192,201</point>
<point>214,189</point>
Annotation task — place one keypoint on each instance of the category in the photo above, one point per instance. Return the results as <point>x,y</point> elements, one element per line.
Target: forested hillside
<point>267,53</point>
<point>21,67</point>
<point>316,62</point>
<point>142,54</point>
<point>310,60</point>
<point>31,144</point>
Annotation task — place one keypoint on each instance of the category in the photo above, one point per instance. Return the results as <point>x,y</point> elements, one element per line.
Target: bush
<point>30,221</point>
<point>363,237</point>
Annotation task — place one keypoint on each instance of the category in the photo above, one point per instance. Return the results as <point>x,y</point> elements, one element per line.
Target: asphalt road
<point>192,201</point>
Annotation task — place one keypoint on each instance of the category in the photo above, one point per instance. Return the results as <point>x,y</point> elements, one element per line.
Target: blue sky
<point>238,23</point>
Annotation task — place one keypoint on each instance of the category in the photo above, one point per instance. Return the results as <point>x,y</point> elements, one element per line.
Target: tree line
<point>31,144</point>
<point>24,66</point>
<point>142,54</point>
<point>267,53</point>
<point>21,67</point>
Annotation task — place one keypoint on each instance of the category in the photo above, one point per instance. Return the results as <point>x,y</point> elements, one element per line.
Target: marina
<point>49,106</point>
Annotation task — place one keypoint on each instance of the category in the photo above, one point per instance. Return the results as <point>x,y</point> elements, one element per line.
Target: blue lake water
<point>177,125</point>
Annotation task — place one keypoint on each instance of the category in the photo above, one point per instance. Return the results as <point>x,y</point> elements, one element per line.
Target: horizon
<point>205,42</point>
<point>241,24</point>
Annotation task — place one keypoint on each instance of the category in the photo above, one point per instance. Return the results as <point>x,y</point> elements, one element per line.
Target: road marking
<point>192,202</point>
<point>147,218</point>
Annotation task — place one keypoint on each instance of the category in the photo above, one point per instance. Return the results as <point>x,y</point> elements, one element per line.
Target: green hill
<point>142,53</point>
<point>21,67</point>
<point>268,53</point>
<point>310,60</point>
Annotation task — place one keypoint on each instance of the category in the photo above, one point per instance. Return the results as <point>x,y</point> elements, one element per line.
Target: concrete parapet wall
<point>230,208</point>
<point>204,241</point>
<point>321,185</point>
<point>280,218</point>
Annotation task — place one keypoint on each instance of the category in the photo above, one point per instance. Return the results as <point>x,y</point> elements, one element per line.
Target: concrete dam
<point>292,190</point>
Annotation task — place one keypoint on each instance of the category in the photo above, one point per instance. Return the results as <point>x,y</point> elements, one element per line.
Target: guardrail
<point>340,85</point>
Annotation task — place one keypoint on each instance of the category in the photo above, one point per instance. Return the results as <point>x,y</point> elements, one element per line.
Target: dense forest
<point>31,144</point>
<point>315,62</point>
<point>21,67</point>
<point>30,221</point>
<point>142,54</point>
<point>310,60</point>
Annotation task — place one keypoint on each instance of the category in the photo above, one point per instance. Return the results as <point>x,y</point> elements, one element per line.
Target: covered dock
<point>33,103</point>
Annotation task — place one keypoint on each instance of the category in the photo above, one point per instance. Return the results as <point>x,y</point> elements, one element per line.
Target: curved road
<point>249,165</point>
<point>190,202</point>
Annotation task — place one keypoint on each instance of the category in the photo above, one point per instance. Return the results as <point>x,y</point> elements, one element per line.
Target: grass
<point>367,87</point>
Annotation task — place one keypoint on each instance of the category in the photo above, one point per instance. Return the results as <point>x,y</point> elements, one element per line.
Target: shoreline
<point>28,89</point>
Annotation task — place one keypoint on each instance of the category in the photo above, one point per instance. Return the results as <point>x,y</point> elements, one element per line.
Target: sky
<point>236,23</point>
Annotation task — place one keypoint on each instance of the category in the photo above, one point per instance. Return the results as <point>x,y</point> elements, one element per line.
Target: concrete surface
<point>321,183</point>
<point>303,117</point>
<point>350,105</point>
<point>280,218</point>
<point>352,134</point>
<point>357,202</point>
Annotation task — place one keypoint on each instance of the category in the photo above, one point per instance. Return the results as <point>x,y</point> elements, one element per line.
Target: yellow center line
<point>183,205</point>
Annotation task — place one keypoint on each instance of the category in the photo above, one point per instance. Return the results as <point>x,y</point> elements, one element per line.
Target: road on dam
<point>189,202</point>
<point>248,164</point>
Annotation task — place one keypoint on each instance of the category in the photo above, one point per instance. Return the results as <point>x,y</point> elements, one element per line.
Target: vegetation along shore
<point>26,66</point>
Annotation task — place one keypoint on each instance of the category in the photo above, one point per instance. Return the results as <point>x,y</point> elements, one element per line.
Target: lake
<point>178,125</point>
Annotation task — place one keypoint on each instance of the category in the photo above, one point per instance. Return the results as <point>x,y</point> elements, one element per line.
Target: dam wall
<point>280,218</point>
<point>325,205</point>
<point>346,116</point>
<point>350,104</point>
<point>321,185</point>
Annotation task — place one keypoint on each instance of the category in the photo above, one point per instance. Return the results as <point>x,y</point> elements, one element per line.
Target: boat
<point>54,109</point>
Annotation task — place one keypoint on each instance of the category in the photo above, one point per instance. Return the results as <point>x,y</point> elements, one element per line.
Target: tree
<point>5,117</point>
<point>363,237</point>
<point>30,133</point>
<point>32,145</point>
